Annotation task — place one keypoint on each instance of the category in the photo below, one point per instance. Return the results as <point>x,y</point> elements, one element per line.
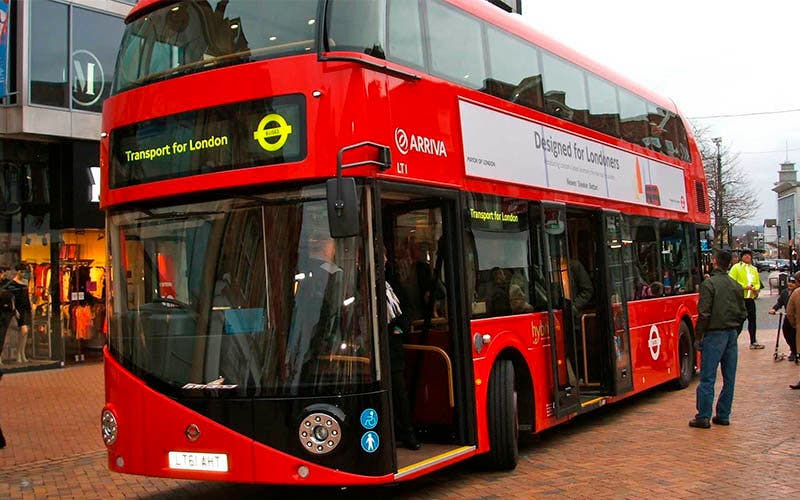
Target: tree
<point>739,199</point>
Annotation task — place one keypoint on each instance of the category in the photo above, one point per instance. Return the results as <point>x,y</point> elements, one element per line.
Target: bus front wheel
<point>502,418</point>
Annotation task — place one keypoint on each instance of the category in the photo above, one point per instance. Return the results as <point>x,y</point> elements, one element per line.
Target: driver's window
<point>515,73</point>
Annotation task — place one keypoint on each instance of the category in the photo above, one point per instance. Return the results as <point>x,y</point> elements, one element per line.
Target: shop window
<point>501,238</point>
<point>81,293</point>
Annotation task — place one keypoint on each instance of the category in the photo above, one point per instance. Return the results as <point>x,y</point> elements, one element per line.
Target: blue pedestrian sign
<point>370,441</point>
<point>369,418</point>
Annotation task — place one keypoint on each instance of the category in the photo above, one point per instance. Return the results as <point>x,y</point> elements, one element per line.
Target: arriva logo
<point>419,144</point>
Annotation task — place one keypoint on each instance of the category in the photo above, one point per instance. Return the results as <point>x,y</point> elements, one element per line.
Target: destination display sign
<point>240,135</point>
<point>508,148</point>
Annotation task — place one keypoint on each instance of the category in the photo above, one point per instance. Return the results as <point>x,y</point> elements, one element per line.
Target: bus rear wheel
<point>502,418</point>
<point>685,357</point>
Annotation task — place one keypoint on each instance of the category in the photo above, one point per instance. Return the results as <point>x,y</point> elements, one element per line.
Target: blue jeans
<point>719,348</point>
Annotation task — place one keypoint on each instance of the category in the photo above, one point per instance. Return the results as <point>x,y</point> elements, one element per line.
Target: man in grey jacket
<point>721,313</point>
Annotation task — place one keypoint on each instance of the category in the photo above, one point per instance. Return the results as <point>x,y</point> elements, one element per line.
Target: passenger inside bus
<point>519,303</point>
<point>499,303</point>
<point>317,301</point>
<point>399,326</point>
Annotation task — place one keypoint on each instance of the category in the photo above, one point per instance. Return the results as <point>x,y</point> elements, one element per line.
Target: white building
<point>770,235</point>
<point>788,190</point>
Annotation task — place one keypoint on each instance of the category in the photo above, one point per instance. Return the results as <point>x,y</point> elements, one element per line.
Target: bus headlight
<point>320,433</point>
<point>108,426</point>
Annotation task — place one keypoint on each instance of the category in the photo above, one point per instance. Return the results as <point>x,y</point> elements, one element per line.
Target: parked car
<point>763,265</point>
<point>781,264</point>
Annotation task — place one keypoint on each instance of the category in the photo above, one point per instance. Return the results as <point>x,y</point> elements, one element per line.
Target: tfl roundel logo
<point>401,140</point>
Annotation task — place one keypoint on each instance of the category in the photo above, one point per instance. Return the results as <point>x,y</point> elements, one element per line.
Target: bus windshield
<point>195,35</point>
<point>248,294</point>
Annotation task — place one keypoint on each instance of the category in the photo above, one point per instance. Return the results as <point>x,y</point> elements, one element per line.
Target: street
<point>639,448</point>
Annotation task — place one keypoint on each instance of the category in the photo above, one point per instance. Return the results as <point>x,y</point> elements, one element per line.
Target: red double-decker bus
<point>268,165</point>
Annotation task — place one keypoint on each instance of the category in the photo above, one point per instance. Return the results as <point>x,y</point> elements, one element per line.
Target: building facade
<point>58,70</point>
<point>769,233</point>
<point>788,191</point>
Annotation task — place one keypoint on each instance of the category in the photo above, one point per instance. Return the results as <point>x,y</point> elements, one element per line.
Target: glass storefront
<point>52,280</point>
<point>25,253</point>
<point>52,237</point>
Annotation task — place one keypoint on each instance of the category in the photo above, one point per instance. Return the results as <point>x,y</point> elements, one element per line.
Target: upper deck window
<point>515,73</point>
<point>564,89</point>
<point>603,106</point>
<point>633,115</point>
<point>194,35</point>
<point>456,45</point>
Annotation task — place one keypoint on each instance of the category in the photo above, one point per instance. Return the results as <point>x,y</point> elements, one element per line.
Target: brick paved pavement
<point>638,448</point>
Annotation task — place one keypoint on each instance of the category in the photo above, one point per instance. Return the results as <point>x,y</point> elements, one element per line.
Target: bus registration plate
<point>216,462</point>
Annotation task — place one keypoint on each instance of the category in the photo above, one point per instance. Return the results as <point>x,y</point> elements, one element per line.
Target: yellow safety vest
<point>746,275</point>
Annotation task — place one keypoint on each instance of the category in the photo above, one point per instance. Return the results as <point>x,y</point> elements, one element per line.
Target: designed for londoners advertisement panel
<point>508,148</point>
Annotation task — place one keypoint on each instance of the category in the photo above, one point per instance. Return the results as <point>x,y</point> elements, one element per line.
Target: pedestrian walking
<point>746,274</point>
<point>788,330</point>
<point>721,312</point>
<point>792,315</point>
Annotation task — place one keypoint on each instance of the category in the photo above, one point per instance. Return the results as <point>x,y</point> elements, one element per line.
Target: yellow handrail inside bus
<point>346,359</point>
<point>584,317</point>
<point>440,351</point>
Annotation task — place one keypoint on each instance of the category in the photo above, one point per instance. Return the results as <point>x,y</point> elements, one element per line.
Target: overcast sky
<point>711,57</point>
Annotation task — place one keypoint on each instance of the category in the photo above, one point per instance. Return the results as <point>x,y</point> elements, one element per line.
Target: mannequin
<point>22,301</point>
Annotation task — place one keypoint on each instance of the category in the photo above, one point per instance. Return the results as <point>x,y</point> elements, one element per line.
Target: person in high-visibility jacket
<point>746,274</point>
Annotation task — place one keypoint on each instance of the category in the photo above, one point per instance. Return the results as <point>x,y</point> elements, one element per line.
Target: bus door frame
<point>616,302</point>
<point>566,396</point>
<point>451,204</point>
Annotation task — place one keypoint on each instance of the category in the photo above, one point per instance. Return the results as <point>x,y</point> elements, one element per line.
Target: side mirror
<point>343,207</point>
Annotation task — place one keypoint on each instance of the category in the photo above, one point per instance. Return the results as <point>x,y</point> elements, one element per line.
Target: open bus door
<point>566,390</point>
<point>419,229</point>
<point>618,252</point>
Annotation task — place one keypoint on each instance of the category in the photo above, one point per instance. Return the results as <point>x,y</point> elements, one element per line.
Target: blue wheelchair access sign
<point>370,441</point>
<point>369,418</point>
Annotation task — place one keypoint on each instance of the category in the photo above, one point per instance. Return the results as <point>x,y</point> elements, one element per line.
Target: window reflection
<point>564,89</point>
<point>206,292</point>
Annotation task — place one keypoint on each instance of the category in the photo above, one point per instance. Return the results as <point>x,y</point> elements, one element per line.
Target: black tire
<point>686,358</point>
<point>502,418</point>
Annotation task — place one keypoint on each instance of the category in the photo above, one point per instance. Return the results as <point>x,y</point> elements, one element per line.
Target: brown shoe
<point>795,386</point>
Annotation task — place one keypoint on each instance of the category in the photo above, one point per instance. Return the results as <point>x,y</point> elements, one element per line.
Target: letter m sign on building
<point>88,80</point>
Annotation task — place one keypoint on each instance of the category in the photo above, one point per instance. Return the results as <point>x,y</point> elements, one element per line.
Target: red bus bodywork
<point>347,103</point>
